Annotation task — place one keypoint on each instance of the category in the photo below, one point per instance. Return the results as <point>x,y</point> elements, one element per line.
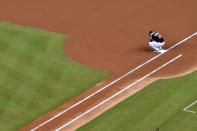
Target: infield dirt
<point>113,34</point>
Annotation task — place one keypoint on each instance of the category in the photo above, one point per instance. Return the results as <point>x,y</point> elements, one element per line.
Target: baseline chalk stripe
<point>111,97</point>
<point>190,105</point>
<point>183,41</point>
<point>113,82</point>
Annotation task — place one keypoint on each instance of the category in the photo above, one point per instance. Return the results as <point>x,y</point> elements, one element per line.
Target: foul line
<point>123,76</point>
<point>190,105</point>
<point>126,88</point>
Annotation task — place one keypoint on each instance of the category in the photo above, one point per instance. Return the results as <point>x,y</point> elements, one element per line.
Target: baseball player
<point>156,42</point>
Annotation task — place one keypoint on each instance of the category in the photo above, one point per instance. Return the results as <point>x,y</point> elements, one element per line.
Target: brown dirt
<point>111,35</point>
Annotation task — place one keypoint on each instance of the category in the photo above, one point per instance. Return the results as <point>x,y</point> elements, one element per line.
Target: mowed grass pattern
<point>36,75</point>
<point>158,107</point>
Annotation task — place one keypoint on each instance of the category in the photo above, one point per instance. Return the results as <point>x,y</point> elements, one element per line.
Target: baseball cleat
<point>160,51</point>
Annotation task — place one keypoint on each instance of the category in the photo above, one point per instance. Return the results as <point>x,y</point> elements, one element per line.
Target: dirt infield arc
<point>112,34</point>
<point>107,34</point>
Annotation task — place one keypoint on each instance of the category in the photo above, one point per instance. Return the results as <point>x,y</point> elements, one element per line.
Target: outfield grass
<point>158,107</point>
<point>36,75</point>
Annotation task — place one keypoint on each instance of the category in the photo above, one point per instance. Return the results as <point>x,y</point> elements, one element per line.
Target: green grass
<point>159,105</point>
<point>36,76</point>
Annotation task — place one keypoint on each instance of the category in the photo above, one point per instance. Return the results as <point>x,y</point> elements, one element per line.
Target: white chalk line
<point>123,76</point>
<point>126,88</point>
<point>190,105</point>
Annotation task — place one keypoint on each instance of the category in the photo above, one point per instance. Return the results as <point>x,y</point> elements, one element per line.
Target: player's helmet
<point>150,32</point>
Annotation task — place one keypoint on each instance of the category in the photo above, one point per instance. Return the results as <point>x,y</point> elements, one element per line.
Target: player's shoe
<point>160,51</point>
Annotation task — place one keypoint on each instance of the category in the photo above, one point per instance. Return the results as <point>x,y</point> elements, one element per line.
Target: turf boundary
<point>121,91</point>
<point>123,76</point>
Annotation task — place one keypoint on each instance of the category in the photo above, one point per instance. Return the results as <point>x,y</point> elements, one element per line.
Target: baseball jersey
<point>155,36</point>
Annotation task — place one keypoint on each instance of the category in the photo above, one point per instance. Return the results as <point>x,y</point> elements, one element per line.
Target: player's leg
<point>154,45</point>
<point>161,45</point>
